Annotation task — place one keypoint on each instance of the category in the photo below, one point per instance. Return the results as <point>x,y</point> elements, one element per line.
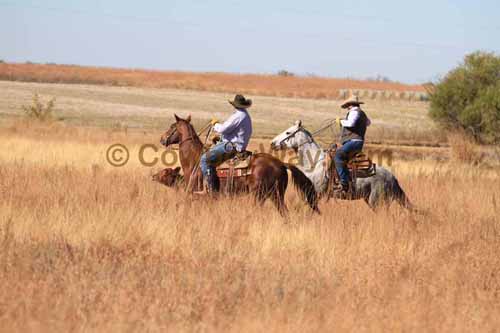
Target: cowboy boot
<point>209,185</point>
<point>210,182</point>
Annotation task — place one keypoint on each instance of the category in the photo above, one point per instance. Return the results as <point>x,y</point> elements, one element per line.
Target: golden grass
<point>265,85</point>
<point>464,149</point>
<point>146,108</point>
<point>86,247</point>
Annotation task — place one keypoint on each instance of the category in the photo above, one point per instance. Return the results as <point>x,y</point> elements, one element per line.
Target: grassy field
<point>85,246</point>
<point>153,109</point>
<point>88,247</point>
<point>267,85</point>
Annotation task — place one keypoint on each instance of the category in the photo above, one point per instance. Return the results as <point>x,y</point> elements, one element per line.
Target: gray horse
<point>380,189</point>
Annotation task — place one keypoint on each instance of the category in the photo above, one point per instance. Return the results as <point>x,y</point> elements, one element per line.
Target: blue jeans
<point>349,148</point>
<point>216,156</point>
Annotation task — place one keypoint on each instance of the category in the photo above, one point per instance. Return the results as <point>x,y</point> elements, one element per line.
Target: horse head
<point>291,138</point>
<point>171,136</point>
<point>177,132</point>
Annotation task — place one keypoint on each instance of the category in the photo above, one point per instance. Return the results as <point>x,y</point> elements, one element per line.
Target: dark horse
<point>268,177</point>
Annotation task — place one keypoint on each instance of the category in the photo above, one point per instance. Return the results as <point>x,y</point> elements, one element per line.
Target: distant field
<point>148,108</point>
<point>264,85</point>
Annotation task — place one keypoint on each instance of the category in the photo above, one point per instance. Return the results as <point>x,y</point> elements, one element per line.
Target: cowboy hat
<point>352,100</point>
<point>241,102</point>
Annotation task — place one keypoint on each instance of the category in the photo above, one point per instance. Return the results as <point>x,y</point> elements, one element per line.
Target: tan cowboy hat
<point>241,102</point>
<point>352,100</point>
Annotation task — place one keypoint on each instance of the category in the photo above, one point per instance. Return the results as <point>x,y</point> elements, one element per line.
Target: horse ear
<point>298,123</point>
<point>176,117</point>
<point>188,119</point>
<point>177,170</point>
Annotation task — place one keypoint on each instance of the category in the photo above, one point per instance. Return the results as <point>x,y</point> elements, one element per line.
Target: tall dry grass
<point>464,149</point>
<point>85,247</point>
<point>264,85</point>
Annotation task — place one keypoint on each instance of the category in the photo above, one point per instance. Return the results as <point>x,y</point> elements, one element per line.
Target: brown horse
<point>267,179</point>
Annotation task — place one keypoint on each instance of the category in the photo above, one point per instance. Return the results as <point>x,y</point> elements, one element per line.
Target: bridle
<point>309,140</point>
<point>299,128</point>
<point>174,126</point>
<point>189,138</point>
<point>310,135</point>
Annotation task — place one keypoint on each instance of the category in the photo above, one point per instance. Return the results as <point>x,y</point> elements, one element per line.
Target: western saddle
<point>359,165</point>
<point>235,167</point>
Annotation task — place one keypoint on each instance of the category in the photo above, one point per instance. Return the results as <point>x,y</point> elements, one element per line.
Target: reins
<point>191,137</point>
<point>311,135</point>
<point>197,164</point>
<point>327,160</point>
<point>208,125</point>
<point>323,128</point>
<point>185,140</point>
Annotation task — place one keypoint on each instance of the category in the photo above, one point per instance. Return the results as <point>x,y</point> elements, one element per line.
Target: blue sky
<point>407,41</point>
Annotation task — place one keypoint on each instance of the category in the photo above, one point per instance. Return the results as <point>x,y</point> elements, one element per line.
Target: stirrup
<point>341,192</point>
<point>204,191</point>
<point>341,188</point>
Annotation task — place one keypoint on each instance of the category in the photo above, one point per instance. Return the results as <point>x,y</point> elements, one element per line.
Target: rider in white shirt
<point>235,135</point>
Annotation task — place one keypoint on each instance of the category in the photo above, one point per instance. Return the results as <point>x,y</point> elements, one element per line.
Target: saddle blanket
<point>235,167</point>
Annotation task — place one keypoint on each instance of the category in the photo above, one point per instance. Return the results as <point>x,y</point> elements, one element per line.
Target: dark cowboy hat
<point>241,102</point>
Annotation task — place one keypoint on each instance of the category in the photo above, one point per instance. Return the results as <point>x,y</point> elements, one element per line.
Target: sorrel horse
<point>267,179</point>
<point>169,177</point>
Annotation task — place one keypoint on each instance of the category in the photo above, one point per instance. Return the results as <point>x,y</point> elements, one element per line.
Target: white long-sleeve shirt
<point>352,117</point>
<point>236,129</point>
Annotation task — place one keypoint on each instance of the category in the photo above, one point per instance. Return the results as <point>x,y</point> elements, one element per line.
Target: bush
<point>284,72</point>
<point>468,98</point>
<point>380,78</point>
<point>37,110</point>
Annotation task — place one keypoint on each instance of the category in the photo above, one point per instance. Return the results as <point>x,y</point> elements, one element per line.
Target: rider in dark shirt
<point>352,138</point>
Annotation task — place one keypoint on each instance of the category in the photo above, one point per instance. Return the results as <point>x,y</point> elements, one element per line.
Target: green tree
<point>468,98</point>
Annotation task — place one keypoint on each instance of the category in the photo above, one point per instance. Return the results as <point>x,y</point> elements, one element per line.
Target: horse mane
<point>306,131</point>
<point>192,133</point>
<point>311,138</point>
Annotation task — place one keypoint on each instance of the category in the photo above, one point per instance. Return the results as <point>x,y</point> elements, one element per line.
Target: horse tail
<point>403,200</point>
<point>304,186</point>
<point>400,195</point>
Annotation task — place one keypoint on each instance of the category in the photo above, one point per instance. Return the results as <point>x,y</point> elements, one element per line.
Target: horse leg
<point>276,193</point>
<point>373,198</point>
<point>260,190</point>
<point>269,181</point>
<point>367,200</point>
<point>260,195</point>
<point>378,198</point>
<point>282,185</point>
<point>278,198</point>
